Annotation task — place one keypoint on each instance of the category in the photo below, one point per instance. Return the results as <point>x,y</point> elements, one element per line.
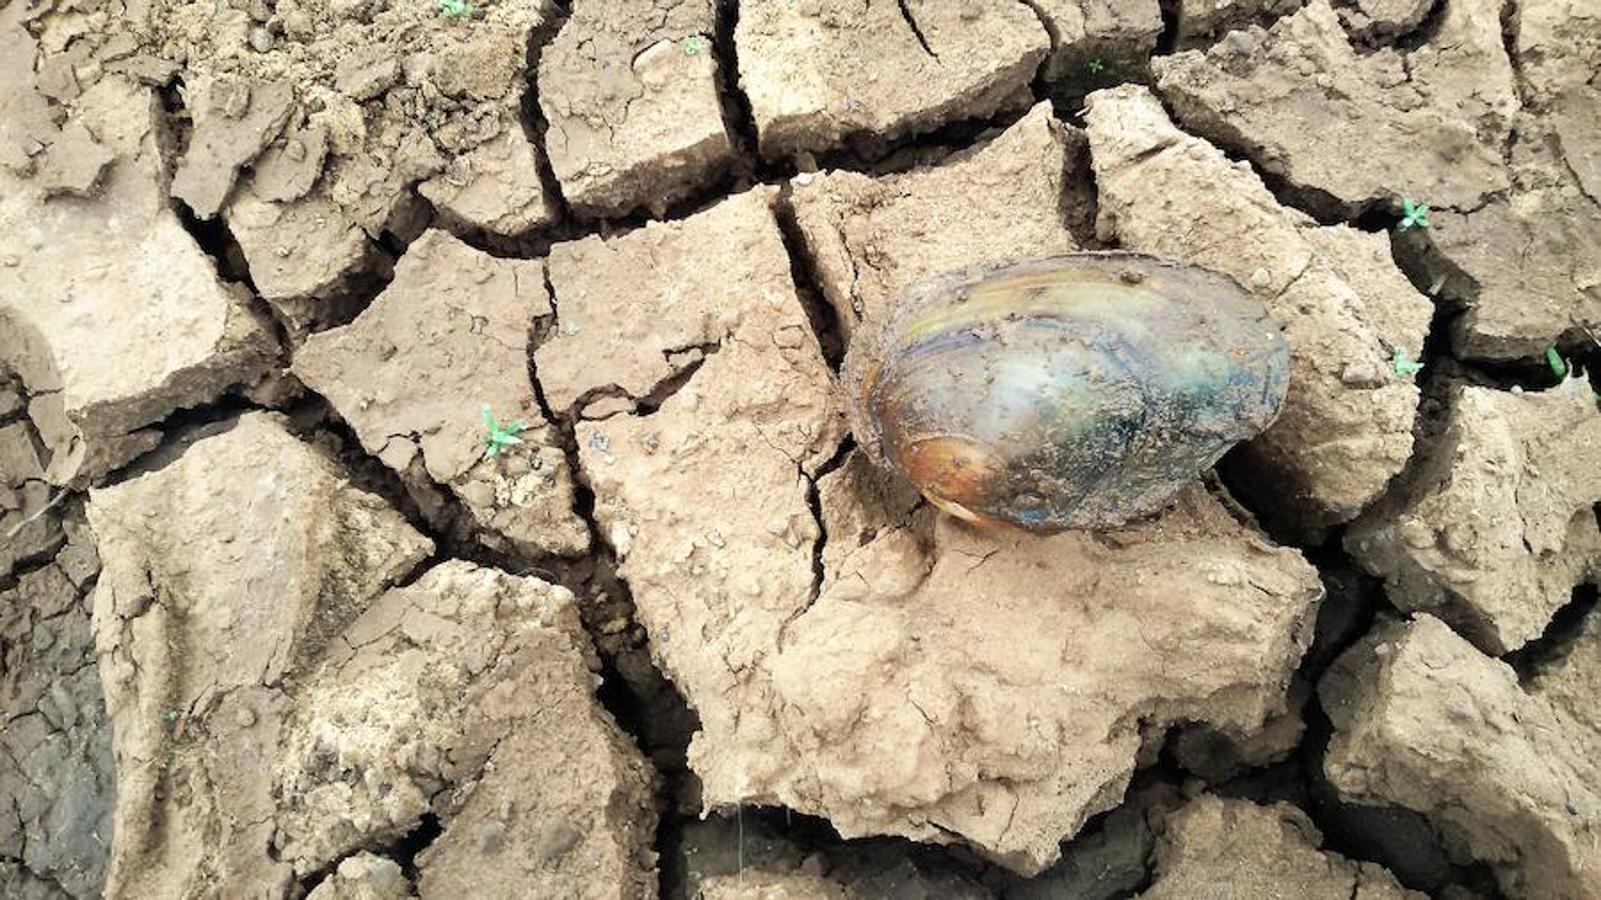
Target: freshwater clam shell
<point>1077,391</point>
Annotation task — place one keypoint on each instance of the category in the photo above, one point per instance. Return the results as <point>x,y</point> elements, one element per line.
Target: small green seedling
<point>1413,215</point>
<point>693,45</point>
<point>455,9</point>
<point>501,437</point>
<point>1095,66</point>
<point>1404,367</point>
<point>1559,366</point>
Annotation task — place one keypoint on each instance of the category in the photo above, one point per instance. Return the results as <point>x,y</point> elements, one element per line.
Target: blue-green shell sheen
<point>1077,391</point>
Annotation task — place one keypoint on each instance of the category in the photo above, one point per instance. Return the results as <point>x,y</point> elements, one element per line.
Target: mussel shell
<point>1077,391</point>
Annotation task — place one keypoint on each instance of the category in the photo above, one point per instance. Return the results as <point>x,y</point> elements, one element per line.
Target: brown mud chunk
<point>234,120</point>
<point>1497,525</point>
<point>56,781</point>
<point>869,239</point>
<point>1217,756</point>
<point>1234,848</point>
<point>413,372</point>
<point>1346,427</point>
<point>1520,303</point>
<point>630,90</point>
<point>30,526</point>
<point>328,711</point>
<point>820,73</point>
<point>304,256</point>
<point>1558,48</point>
<point>469,694</point>
<point>364,876</point>
<point>399,93</point>
<point>222,576</point>
<point>636,312</point>
<point>1089,37</point>
<point>494,187</point>
<point>1424,721</point>
<point>1200,22</point>
<point>1358,129</point>
<point>980,747</point>
<point>180,338</point>
<point>28,124</point>
<point>566,798</point>
<point>1374,20</point>
<point>1573,682</point>
<point>290,167</point>
<point>74,163</point>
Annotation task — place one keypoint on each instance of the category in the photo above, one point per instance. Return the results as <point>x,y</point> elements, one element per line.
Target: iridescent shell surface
<point>1077,391</point>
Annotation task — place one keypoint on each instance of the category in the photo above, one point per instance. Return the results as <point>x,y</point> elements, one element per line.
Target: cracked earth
<point>273,625</point>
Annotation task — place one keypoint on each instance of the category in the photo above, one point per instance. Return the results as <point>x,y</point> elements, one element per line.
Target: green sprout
<point>1559,366</point>
<point>455,9</point>
<point>693,45</point>
<point>1403,366</point>
<point>1096,66</point>
<point>1413,216</point>
<point>500,437</point>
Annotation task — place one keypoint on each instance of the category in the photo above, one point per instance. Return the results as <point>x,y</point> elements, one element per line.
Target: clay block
<point>1235,848</point>
<point>821,72</point>
<point>630,90</point>
<point>1357,129</point>
<point>413,373</point>
<point>177,337</point>
<point>1424,721</point>
<point>1497,525</point>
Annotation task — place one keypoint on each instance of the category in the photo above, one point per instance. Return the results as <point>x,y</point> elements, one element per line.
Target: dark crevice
<point>917,31</point>
<point>634,691</point>
<point>1423,33</point>
<point>217,241</point>
<point>1511,19</point>
<point>1561,634</point>
<point>776,839</point>
<point>418,839</point>
<point>738,119</point>
<point>179,430</point>
<point>815,504</point>
<point>803,273</point>
<point>1169,39</point>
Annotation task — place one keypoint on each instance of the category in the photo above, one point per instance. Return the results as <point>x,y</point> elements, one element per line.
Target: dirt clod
<point>1424,721</point>
<point>1498,525</point>
<point>869,239</point>
<point>278,705</point>
<point>629,88</point>
<point>1235,848</point>
<point>452,309</point>
<point>1299,99</point>
<point>180,337</point>
<point>820,73</point>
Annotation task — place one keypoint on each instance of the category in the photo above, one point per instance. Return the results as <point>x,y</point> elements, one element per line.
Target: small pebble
<point>261,40</point>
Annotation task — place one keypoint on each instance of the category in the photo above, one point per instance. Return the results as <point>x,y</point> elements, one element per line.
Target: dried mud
<point>274,624</point>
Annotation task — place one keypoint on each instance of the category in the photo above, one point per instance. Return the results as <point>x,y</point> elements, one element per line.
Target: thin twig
<point>17,528</point>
